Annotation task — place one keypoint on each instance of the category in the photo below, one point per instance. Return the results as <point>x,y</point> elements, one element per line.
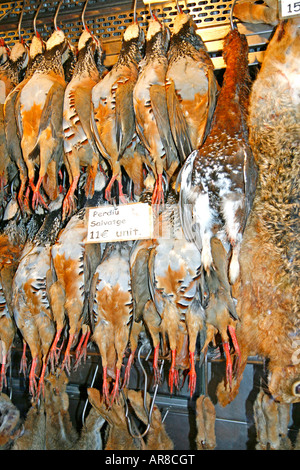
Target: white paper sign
<point>289,8</point>
<point>121,223</point>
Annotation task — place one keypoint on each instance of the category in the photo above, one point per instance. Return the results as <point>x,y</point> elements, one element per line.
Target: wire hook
<point>232,24</point>
<point>87,400</point>
<point>35,17</point>
<point>56,14</point>
<point>148,413</point>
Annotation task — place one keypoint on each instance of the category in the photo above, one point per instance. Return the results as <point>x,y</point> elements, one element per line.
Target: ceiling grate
<point>109,19</point>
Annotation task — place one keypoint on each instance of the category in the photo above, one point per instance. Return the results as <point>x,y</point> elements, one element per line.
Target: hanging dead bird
<point>268,295</point>
<point>174,267</point>
<point>10,75</point>
<point>112,117</point>
<point>74,264</point>
<point>217,186</point>
<point>30,301</point>
<point>191,86</point>
<point>150,106</point>
<point>13,141</point>
<point>15,231</point>
<point>40,111</point>
<point>111,307</point>
<point>79,146</point>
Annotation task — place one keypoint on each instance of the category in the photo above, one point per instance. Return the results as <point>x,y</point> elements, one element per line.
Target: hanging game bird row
<point>147,117</point>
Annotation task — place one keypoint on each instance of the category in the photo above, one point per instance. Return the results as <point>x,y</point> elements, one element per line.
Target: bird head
<point>284,382</point>
<point>4,51</point>
<point>19,55</point>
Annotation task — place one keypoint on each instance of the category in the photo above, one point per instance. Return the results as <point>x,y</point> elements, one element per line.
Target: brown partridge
<point>111,306</point>
<point>112,116</point>
<point>79,146</point>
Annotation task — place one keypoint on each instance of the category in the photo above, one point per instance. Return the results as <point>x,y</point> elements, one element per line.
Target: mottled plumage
<point>79,146</point>
<point>111,307</point>
<point>268,294</point>
<point>39,110</point>
<point>112,115</point>
<point>30,301</point>
<point>150,106</point>
<point>191,86</point>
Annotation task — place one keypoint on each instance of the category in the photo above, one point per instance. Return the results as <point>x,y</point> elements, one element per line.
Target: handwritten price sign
<point>122,223</point>
<point>289,9</point>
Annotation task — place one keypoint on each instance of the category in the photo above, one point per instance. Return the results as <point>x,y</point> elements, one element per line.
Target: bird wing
<point>140,278</point>
<point>12,131</point>
<point>160,110</point>
<point>188,201</point>
<point>83,108</point>
<point>125,118</point>
<point>250,179</point>
<point>178,123</point>
<point>51,115</point>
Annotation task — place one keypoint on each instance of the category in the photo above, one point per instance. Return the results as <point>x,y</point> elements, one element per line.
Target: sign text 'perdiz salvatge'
<point>121,223</point>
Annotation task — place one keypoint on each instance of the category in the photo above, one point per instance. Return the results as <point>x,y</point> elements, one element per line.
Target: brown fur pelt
<point>268,293</point>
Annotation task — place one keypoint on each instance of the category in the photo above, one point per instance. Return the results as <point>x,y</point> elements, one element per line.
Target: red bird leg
<point>115,390</point>
<point>228,364</point>
<point>23,363</point>
<point>81,350</point>
<point>158,193</point>
<point>192,375</point>
<point>108,188</point>
<point>85,345</point>
<point>32,377</point>
<point>231,330</point>
<point>155,365</point>
<point>78,349</point>
<point>122,197</point>
<point>69,203</point>
<point>3,373</point>
<point>105,385</point>
<point>53,351</point>
<point>173,373</point>
<point>37,197</point>
<point>128,368</point>
<point>41,385</point>
<point>67,358</point>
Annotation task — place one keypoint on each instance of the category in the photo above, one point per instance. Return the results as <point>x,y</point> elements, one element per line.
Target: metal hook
<point>179,9</point>
<point>148,413</point>
<point>56,14</point>
<point>83,13</point>
<point>134,12</point>
<point>87,400</point>
<point>232,24</point>
<point>35,17</point>
<point>20,21</point>
<point>8,12</point>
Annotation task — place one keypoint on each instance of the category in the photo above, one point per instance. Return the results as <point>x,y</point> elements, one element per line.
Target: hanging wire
<point>87,400</point>
<point>83,13</point>
<point>232,24</point>
<point>148,413</point>
<point>20,21</point>
<point>135,12</point>
<point>8,12</point>
<point>35,17</point>
<point>56,14</point>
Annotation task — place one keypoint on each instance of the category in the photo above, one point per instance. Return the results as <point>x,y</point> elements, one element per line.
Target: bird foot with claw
<point>192,376</point>
<point>228,365</point>
<point>237,362</point>
<point>173,379</point>
<point>3,382</point>
<point>115,391</point>
<point>38,199</point>
<point>128,369</point>
<point>32,378</point>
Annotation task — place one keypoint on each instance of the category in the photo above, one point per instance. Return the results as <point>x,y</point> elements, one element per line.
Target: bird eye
<point>296,388</point>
